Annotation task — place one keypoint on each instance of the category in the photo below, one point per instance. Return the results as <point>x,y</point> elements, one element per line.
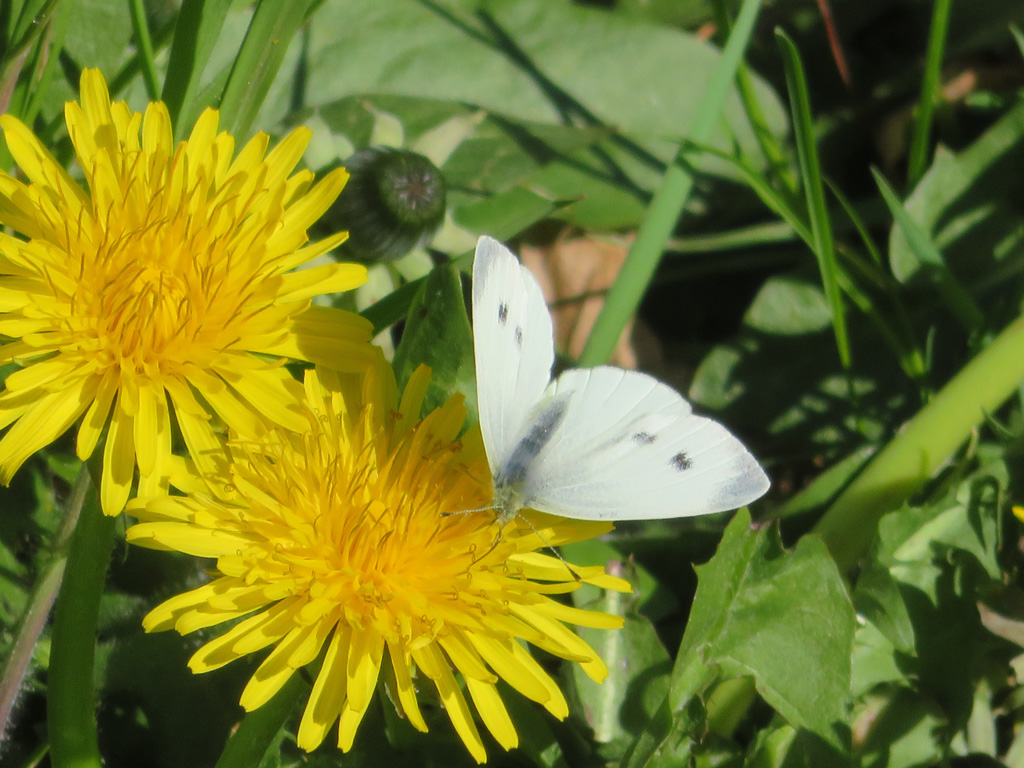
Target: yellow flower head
<point>167,276</point>
<point>336,541</point>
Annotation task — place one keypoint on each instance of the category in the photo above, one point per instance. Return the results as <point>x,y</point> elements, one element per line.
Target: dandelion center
<point>154,297</point>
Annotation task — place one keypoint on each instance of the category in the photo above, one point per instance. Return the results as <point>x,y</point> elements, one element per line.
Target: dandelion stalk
<point>71,699</point>
<point>923,445</point>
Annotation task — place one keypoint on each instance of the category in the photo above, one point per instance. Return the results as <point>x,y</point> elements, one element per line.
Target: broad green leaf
<point>507,214</point>
<point>782,618</point>
<point>98,34</point>
<point>932,261</point>
<point>968,207</point>
<point>920,590</point>
<point>505,56</point>
<point>787,305</point>
<point>437,333</point>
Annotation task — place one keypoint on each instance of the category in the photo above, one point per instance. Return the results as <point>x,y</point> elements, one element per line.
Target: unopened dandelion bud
<point>394,202</point>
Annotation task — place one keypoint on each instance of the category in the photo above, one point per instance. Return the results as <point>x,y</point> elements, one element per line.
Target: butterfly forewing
<point>513,347</point>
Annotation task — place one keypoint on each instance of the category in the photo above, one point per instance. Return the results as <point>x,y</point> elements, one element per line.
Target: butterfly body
<point>597,444</point>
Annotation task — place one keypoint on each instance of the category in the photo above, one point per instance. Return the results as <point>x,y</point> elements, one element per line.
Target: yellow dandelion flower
<point>334,542</point>
<point>171,276</point>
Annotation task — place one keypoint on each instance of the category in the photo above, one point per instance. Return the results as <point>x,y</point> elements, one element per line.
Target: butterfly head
<point>507,501</point>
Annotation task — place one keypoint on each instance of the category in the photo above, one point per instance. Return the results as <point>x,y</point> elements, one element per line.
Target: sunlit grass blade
<point>145,41</point>
<point>952,292</point>
<point>272,28</point>
<point>814,190</point>
<point>929,91</point>
<point>198,27</point>
<point>923,445</point>
<point>669,201</point>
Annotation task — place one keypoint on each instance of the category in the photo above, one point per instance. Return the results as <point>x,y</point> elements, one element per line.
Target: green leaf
<point>967,206</point>
<point>507,214</point>
<point>98,34</point>
<point>781,618</point>
<point>515,57</point>
<point>952,292</point>
<point>437,333</point>
<point>787,305</point>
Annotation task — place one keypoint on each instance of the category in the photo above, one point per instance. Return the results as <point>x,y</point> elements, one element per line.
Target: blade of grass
<point>272,27</point>
<point>149,75</point>
<point>814,190</point>
<point>198,27</point>
<point>952,292</point>
<point>1018,37</point>
<point>929,91</point>
<point>17,41</point>
<point>923,445</point>
<point>905,350</point>
<point>669,201</point>
<point>56,32</point>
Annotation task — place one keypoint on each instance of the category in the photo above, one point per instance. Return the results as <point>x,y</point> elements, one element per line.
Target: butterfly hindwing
<point>629,447</point>
<point>513,346</point>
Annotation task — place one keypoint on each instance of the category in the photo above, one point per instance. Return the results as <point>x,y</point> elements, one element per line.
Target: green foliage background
<point>849,258</point>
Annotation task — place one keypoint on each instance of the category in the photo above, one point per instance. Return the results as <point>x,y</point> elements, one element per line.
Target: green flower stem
<point>924,444</point>
<point>256,733</point>
<point>38,609</point>
<point>70,698</point>
<point>669,201</point>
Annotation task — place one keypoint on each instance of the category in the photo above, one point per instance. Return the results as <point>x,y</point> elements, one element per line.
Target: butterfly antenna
<point>467,511</point>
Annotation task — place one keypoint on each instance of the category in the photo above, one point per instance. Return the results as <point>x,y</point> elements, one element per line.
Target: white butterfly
<point>594,444</point>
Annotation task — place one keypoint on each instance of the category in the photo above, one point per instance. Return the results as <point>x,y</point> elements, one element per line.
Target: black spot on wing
<point>502,313</point>
<point>519,337</point>
<point>644,438</point>
<point>680,462</point>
